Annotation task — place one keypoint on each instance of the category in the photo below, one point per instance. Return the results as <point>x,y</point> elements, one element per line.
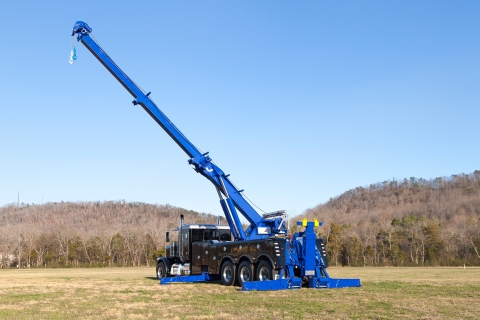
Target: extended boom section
<point>230,197</point>
<point>261,257</point>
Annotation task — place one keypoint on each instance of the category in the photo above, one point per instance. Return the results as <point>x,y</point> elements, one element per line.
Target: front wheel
<point>245,273</point>
<point>227,273</point>
<point>161,271</point>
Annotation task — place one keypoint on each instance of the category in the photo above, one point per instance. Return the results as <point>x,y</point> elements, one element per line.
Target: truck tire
<point>161,272</point>
<point>227,273</point>
<point>264,271</point>
<point>245,273</point>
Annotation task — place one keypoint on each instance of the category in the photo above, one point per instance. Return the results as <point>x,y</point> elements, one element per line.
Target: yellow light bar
<point>304,222</point>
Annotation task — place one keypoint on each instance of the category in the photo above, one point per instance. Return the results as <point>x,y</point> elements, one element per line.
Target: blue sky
<point>299,102</point>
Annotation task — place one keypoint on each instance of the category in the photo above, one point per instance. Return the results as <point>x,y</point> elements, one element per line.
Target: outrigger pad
<point>296,283</point>
<point>204,277</point>
<point>331,283</point>
<point>280,284</point>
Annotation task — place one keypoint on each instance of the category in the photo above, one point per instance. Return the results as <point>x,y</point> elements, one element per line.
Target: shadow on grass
<point>215,282</point>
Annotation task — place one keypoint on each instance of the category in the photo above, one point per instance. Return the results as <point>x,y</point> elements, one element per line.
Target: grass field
<point>133,293</point>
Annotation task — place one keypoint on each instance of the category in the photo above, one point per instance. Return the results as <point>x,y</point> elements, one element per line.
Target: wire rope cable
<point>248,199</point>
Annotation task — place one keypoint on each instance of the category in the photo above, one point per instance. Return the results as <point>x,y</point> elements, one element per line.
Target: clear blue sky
<point>299,102</point>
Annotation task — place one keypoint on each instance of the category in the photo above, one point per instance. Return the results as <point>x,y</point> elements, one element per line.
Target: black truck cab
<point>178,254</point>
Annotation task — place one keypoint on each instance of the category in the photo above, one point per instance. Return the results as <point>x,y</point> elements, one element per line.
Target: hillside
<point>88,233</point>
<point>394,223</point>
<point>408,222</point>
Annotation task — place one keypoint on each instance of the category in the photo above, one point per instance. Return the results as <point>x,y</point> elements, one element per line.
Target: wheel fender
<point>245,258</point>
<point>268,258</point>
<point>227,258</point>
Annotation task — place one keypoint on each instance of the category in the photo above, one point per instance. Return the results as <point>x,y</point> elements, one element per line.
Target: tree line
<point>88,234</point>
<point>412,222</point>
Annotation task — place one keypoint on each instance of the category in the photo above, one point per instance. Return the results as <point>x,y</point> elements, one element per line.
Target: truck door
<point>184,245</point>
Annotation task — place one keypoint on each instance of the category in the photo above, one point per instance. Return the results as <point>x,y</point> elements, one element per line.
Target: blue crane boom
<point>231,199</point>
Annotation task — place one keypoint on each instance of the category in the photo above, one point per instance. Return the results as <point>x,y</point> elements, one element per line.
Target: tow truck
<point>261,256</point>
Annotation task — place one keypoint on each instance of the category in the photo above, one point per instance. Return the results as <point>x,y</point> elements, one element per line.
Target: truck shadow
<point>218,283</point>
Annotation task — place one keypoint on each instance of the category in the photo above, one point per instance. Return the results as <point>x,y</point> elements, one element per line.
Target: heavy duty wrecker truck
<point>261,257</point>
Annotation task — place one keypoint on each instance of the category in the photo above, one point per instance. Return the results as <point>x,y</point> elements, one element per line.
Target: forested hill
<point>393,223</point>
<point>88,233</point>
<point>408,222</point>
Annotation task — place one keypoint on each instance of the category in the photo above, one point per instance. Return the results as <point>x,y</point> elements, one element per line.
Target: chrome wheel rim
<point>160,272</point>
<point>263,274</point>
<point>245,274</point>
<point>227,273</point>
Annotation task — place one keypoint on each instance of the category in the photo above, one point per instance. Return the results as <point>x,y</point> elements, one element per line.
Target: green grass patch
<point>113,293</point>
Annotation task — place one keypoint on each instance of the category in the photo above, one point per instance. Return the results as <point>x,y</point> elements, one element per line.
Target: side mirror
<point>167,236</point>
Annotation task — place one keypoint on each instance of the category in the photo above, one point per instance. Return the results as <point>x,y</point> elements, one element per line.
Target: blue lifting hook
<point>73,55</point>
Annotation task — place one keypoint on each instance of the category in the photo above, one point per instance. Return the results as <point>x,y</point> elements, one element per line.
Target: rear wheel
<point>245,273</point>
<point>161,272</point>
<point>227,273</point>
<point>264,271</point>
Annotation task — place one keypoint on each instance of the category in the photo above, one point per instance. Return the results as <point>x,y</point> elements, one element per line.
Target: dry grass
<point>387,293</point>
